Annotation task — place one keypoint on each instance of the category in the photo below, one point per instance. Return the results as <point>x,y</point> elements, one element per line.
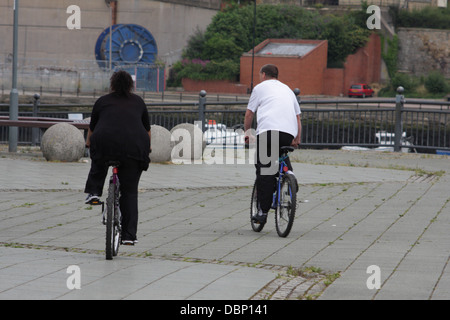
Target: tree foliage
<point>436,83</point>
<point>428,17</point>
<point>230,34</point>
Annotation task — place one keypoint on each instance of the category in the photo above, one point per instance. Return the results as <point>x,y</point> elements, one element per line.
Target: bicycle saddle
<point>286,149</point>
<point>113,163</point>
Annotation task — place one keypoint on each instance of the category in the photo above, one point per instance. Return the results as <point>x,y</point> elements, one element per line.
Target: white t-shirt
<point>277,107</point>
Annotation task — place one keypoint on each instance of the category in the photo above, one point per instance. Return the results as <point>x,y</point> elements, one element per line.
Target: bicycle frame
<point>115,172</point>
<point>281,172</point>
<point>115,180</point>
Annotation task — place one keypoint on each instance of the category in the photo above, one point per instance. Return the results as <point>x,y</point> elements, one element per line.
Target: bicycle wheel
<point>112,230</point>
<point>117,219</point>
<point>257,227</point>
<point>285,211</point>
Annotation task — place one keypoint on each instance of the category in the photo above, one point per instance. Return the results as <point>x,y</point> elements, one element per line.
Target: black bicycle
<point>112,216</point>
<point>284,198</point>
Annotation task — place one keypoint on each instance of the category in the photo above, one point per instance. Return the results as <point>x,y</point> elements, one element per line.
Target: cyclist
<point>278,124</point>
<point>119,131</point>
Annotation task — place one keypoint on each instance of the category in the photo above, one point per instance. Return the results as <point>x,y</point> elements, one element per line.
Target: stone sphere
<point>63,142</point>
<point>188,142</point>
<point>161,144</point>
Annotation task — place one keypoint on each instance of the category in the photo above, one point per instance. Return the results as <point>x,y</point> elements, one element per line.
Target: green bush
<point>428,17</point>
<point>433,86</point>
<point>391,56</point>
<point>197,69</point>
<point>408,82</point>
<point>436,83</point>
<point>215,53</point>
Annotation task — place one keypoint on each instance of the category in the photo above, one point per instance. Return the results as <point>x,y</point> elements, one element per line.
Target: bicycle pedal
<point>95,203</point>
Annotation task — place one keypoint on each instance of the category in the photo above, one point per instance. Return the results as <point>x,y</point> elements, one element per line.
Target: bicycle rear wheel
<point>285,211</point>
<point>112,228</point>
<point>257,227</point>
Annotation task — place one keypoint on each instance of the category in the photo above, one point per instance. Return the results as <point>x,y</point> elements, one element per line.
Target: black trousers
<point>268,151</point>
<point>130,171</point>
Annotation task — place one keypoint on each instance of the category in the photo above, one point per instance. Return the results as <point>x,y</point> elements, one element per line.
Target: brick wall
<point>364,65</point>
<point>213,86</point>
<point>308,73</point>
<point>333,84</point>
<point>305,73</point>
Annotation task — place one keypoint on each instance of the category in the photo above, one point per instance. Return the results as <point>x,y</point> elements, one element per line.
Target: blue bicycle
<point>284,198</point>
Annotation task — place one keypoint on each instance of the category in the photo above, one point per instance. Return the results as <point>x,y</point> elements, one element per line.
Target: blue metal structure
<point>133,48</point>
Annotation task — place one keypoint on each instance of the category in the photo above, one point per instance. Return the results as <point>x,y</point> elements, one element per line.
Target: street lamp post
<point>253,44</point>
<point>108,3</point>
<point>14,95</point>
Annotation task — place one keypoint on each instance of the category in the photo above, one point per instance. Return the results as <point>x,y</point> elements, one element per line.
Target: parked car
<point>360,90</point>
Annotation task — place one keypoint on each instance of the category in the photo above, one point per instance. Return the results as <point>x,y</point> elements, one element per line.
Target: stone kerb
<point>63,142</point>
<point>161,144</point>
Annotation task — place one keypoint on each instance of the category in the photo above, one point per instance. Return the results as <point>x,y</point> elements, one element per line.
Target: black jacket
<point>120,126</point>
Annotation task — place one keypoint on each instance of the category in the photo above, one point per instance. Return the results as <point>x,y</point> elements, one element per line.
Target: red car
<point>360,90</point>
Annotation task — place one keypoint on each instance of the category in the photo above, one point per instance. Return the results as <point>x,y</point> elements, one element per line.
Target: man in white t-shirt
<point>278,124</point>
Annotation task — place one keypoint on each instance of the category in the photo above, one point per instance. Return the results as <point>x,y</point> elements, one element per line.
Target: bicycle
<point>112,216</point>
<point>284,198</point>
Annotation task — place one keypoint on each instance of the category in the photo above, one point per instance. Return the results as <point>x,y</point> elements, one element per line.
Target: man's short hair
<point>270,70</point>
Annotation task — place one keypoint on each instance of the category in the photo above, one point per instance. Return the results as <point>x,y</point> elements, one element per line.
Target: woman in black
<point>119,131</point>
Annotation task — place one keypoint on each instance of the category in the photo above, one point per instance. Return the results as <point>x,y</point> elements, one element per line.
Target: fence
<point>414,125</point>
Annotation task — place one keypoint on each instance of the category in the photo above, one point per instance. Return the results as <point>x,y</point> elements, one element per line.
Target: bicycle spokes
<point>112,218</point>
<point>284,216</point>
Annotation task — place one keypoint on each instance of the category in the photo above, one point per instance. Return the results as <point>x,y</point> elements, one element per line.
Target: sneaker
<point>128,242</point>
<point>92,199</point>
<point>261,217</point>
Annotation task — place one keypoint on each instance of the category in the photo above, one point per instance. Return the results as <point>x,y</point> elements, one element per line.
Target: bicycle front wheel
<point>112,230</point>
<point>285,211</point>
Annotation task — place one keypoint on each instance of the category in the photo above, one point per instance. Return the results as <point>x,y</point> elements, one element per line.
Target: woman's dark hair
<point>121,83</point>
<point>270,70</point>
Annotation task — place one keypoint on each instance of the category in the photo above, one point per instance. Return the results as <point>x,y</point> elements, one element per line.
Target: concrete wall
<point>424,50</point>
<point>209,4</point>
<point>43,33</point>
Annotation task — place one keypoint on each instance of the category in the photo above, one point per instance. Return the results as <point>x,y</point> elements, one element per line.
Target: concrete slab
<point>354,210</point>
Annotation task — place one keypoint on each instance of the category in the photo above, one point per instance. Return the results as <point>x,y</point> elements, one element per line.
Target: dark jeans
<point>268,151</point>
<point>130,171</point>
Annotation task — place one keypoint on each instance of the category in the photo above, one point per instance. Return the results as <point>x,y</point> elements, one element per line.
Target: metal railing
<point>396,123</point>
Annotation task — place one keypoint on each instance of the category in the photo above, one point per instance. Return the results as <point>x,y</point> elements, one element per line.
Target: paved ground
<point>355,210</point>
